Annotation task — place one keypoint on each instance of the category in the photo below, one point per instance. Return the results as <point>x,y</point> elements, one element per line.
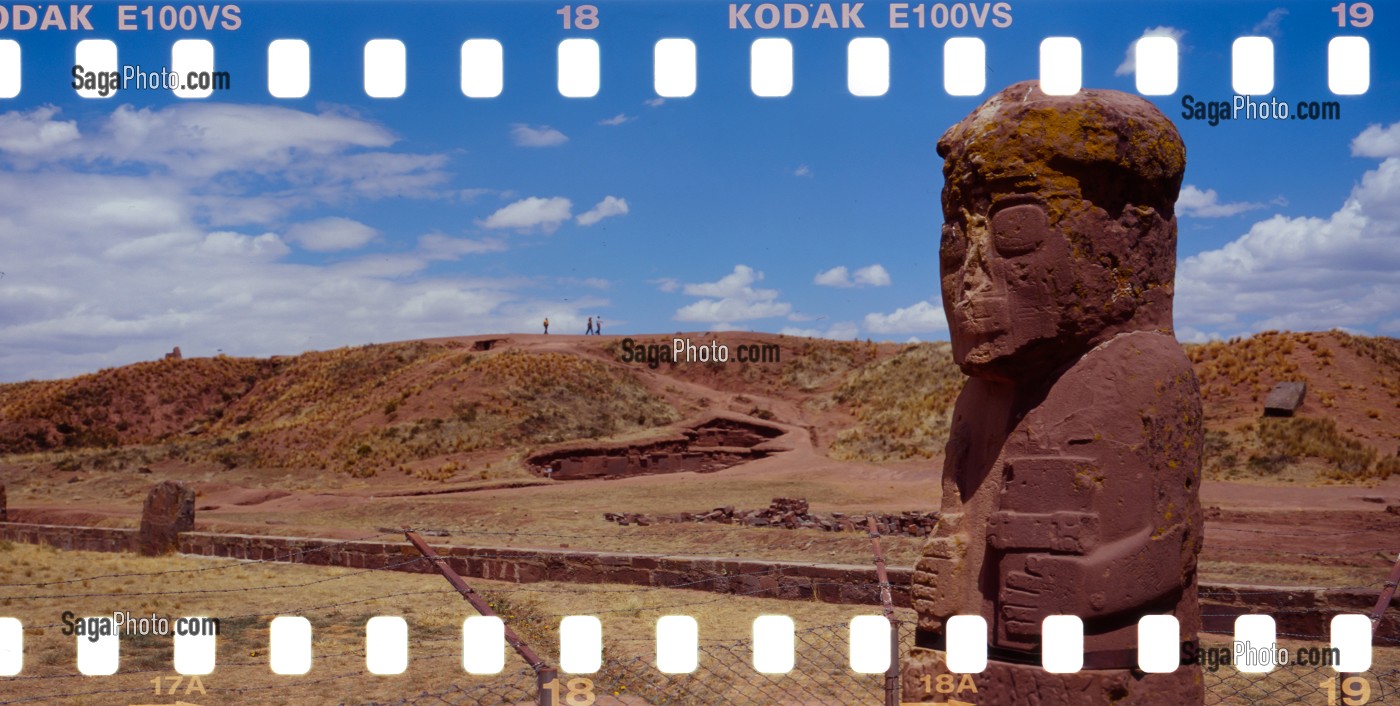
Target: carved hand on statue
<point>1050,585</point>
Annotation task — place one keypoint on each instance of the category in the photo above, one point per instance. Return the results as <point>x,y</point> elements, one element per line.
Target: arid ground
<point>445,435</point>
<point>436,434</point>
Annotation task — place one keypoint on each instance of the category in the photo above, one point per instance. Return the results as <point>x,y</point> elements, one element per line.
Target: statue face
<point>1005,273</point>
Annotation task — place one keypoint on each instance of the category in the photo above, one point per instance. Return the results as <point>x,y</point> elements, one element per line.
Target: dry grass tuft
<point>136,404</point>
<point>1255,364</point>
<point>816,364</point>
<point>414,408</point>
<point>1285,439</point>
<point>903,405</point>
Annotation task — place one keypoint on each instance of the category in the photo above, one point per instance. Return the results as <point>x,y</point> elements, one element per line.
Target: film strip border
<point>193,73</point>
<point>484,644</point>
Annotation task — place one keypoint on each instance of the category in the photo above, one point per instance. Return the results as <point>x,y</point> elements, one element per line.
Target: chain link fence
<point>725,675</point>
<point>1297,683</point>
<point>821,676</point>
<point>821,673</point>
<point>504,689</point>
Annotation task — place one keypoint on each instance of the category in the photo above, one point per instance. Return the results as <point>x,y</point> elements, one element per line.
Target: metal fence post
<point>547,686</point>
<point>1378,612</point>
<point>887,606</point>
<point>546,677</point>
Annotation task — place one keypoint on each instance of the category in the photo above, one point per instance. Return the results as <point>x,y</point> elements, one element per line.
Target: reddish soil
<point>1291,529</point>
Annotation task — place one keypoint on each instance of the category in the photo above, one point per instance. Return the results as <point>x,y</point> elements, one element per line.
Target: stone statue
<point>169,510</point>
<point>1071,477</point>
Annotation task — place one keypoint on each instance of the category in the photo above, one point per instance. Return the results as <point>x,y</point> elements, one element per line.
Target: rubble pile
<point>790,513</point>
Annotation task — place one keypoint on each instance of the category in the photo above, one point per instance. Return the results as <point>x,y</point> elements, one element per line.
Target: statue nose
<point>977,278</point>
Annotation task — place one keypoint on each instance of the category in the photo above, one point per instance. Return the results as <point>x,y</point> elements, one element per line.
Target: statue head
<point>1059,227</point>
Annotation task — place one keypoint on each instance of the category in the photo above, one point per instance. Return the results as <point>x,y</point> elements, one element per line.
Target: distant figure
<point>598,330</point>
<point>590,327</point>
<point>546,326</point>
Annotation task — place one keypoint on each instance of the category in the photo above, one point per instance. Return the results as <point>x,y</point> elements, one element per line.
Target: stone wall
<point>90,539</point>
<point>1304,612</point>
<point>1297,611</point>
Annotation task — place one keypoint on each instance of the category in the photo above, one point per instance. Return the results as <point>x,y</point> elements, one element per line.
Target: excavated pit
<point>707,447</point>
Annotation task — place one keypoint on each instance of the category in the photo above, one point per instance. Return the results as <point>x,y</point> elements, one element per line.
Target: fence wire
<point>821,676</point>
<point>1290,684</point>
<point>505,689</point>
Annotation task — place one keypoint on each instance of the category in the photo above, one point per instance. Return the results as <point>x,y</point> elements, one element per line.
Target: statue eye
<point>953,247</point>
<point>1019,229</point>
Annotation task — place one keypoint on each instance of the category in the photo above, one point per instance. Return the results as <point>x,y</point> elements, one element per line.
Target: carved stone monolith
<point>1071,475</point>
<point>169,510</point>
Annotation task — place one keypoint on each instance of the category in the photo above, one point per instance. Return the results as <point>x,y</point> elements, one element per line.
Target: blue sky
<point>251,225</point>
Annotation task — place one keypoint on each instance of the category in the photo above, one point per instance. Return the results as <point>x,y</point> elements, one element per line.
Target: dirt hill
<point>468,409</point>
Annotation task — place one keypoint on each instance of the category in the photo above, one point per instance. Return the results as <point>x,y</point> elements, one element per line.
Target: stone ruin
<point>174,354</point>
<point>169,510</point>
<point>712,445</point>
<point>791,513</point>
<point>1072,471</point>
<point>1285,399</point>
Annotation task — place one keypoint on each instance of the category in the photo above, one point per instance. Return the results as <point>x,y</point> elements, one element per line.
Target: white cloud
<point>1303,273</point>
<point>301,158</point>
<point>1206,204</point>
<point>205,139</point>
<point>732,299</point>
<point>35,132</point>
<point>873,276</point>
<point>1377,141</point>
<point>1129,64</point>
<point>618,119</point>
<point>920,317</point>
<point>448,304</point>
<point>542,136</point>
<point>727,311</point>
<point>608,207</point>
<point>665,284</point>
<point>734,284</point>
<point>265,246</point>
<point>436,246</point>
<point>802,170</point>
<point>331,234</point>
<point>840,331</point>
<point>532,213</point>
<point>383,174</point>
<point>1269,25</point>
<point>655,102</point>
<point>839,276</point>
<point>118,245</point>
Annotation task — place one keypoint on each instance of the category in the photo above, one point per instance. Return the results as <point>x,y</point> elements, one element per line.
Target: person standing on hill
<point>590,327</point>
<point>546,325</point>
<point>598,330</point>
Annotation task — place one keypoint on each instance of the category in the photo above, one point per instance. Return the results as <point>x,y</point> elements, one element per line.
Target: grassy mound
<point>903,405</point>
